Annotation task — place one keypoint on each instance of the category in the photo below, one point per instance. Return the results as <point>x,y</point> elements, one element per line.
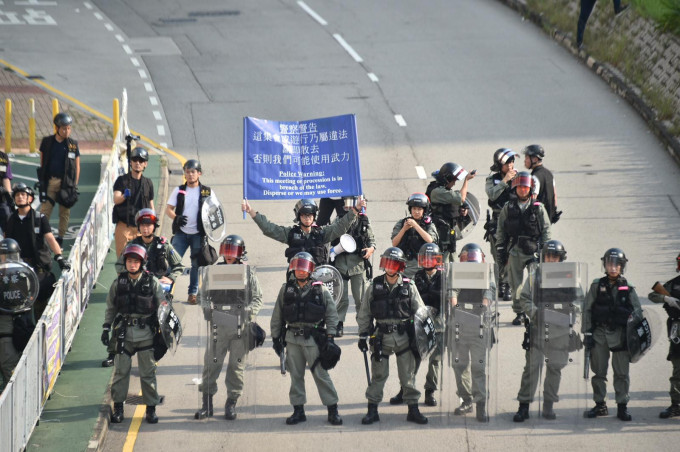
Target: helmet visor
<point>231,250</point>
<point>430,260</point>
<point>472,256</point>
<point>300,264</point>
<point>389,265</point>
<point>613,264</point>
<point>521,181</point>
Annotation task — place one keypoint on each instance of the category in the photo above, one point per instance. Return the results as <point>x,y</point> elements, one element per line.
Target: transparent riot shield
<point>18,287</point>
<point>331,278</point>
<point>214,220</point>
<point>469,358</point>
<point>553,371</point>
<point>224,295</point>
<point>465,224</point>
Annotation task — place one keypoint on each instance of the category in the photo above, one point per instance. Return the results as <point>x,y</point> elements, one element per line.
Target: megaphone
<point>347,245</point>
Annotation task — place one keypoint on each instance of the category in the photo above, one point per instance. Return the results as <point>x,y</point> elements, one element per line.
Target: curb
<point>618,84</point>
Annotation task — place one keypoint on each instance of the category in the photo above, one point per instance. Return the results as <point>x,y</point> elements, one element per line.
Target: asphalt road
<point>430,82</point>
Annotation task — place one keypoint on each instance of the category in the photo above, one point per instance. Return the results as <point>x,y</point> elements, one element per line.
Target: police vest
<point>391,304</point>
<point>443,217</point>
<point>609,310</point>
<point>497,204</point>
<point>411,241</point>
<point>309,308</point>
<point>524,223</point>
<point>157,259</point>
<point>204,193</point>
<point>42,258</point>
<point>137,299</point>
<point>430,290</point>
<point>546,190</point>
<point>69,178</point>
<point>127,210</point>
<point>313,243</point>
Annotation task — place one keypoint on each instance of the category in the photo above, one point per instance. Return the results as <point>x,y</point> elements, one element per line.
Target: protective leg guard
<point>372,415</point>
<point>333,416</point>
<point>398,399</point>
<point>414,414</point>
<point>230,410</point>
<point>522,413</point>
<point>118,413</point>
<point>297,416</point>
<point>207,407</point>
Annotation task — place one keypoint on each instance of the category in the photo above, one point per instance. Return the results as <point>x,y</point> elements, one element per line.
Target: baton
<point>282,360</point>
<point>244,212</point>
<point>368,372</point>
<point>586,364</point>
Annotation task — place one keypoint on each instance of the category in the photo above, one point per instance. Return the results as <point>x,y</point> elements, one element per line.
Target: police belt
<point>141,322</point>
<point>389,328</point>
<point>306,331</point>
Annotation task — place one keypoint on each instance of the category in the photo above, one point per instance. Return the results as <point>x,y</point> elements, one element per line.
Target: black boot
<point>522,413</point>
<point>414,414</point>
<point>206,408</point>
<point>118,413</point>
<point>398,399</point>
<point>600,409</point>
<point>519,319</point>
<point>339,330</point>
<point>151,417</point>
<point>297,416</point>
<point>480,414</point>
<point>333,416</point>
<point>372,415</point>
<point>548,412</point>
<point>230,410</point>
<point>507,293</point>
<point>622,412</point>
<point>108,362</point>
<point>429,398</point>
<point>671,411</point>
<point>464,408</point>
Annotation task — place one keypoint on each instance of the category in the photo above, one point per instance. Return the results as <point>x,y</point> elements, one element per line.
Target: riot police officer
<point>6,201</point>
<point>553,350</point>
<point>498,190</point>
<point>303,322</point>
<point>232,340</point>
<point>354,266</point>
<point>609,303</point>
<point>545,182</point>
<point>412,232</point>
<point>18,292</point>
<point>162,259</point>
<point>523,226</point>
<point>131,313</point>
<point>305,235</point>
<point>446,203</point>
<point>469,352</point>
<point>669,295</point>
<point>391,300</point>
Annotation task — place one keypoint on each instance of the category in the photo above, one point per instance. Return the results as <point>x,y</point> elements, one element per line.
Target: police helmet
<point>20,187</point>
<point>233,246</point>
<point>393,259</point>
<point>146,216</point>
<point>614,256</point>
<point>501,157</point>
<point>9,248</point>
<point>523,179</point>
<point>449,172</point>
<point>192,164</point>
<point>418,200</point>
<point>62,119</point>
<point>535,150</point>
<point>135,251</point>
<point>306,206</point>
<point>140,153</point>
<point>429,256</point>
<point>302,261</point>
<point>472,252</point>
<point>553,248</point>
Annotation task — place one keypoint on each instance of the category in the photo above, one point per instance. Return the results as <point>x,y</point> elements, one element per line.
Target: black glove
<point>502,254</point>
<point>555,218</point>
<point>526,343</point>
<point>363,343</point>
<point>105,334</point>
<point>588,341</point>
<point>180,221</point>
<point>63,263</point>
<point>278,345</point>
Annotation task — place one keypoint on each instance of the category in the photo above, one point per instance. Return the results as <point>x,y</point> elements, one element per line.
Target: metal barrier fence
<point>24,397</point>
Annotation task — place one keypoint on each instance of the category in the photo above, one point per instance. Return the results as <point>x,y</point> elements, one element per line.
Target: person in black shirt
<point>545,182</point>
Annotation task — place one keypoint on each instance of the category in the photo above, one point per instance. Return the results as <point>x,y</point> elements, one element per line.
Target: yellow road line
<point>90,110</point>
<point>133,431</point>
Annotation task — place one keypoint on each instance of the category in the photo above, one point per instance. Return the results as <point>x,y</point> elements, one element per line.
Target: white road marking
<point>348,48</point>
<point>373,77</point>
<point>312,13</point>
<point>148,87</point>
<point>153,100</point>
<point>142,74</point>
<point>400,120</point>
<point>108,27</point>
<point>157,115</point>
<point>421,172</point>
<point>161,130</point>
<point>127,49</point>
<point>135,61</point>
<point>120,38</point>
